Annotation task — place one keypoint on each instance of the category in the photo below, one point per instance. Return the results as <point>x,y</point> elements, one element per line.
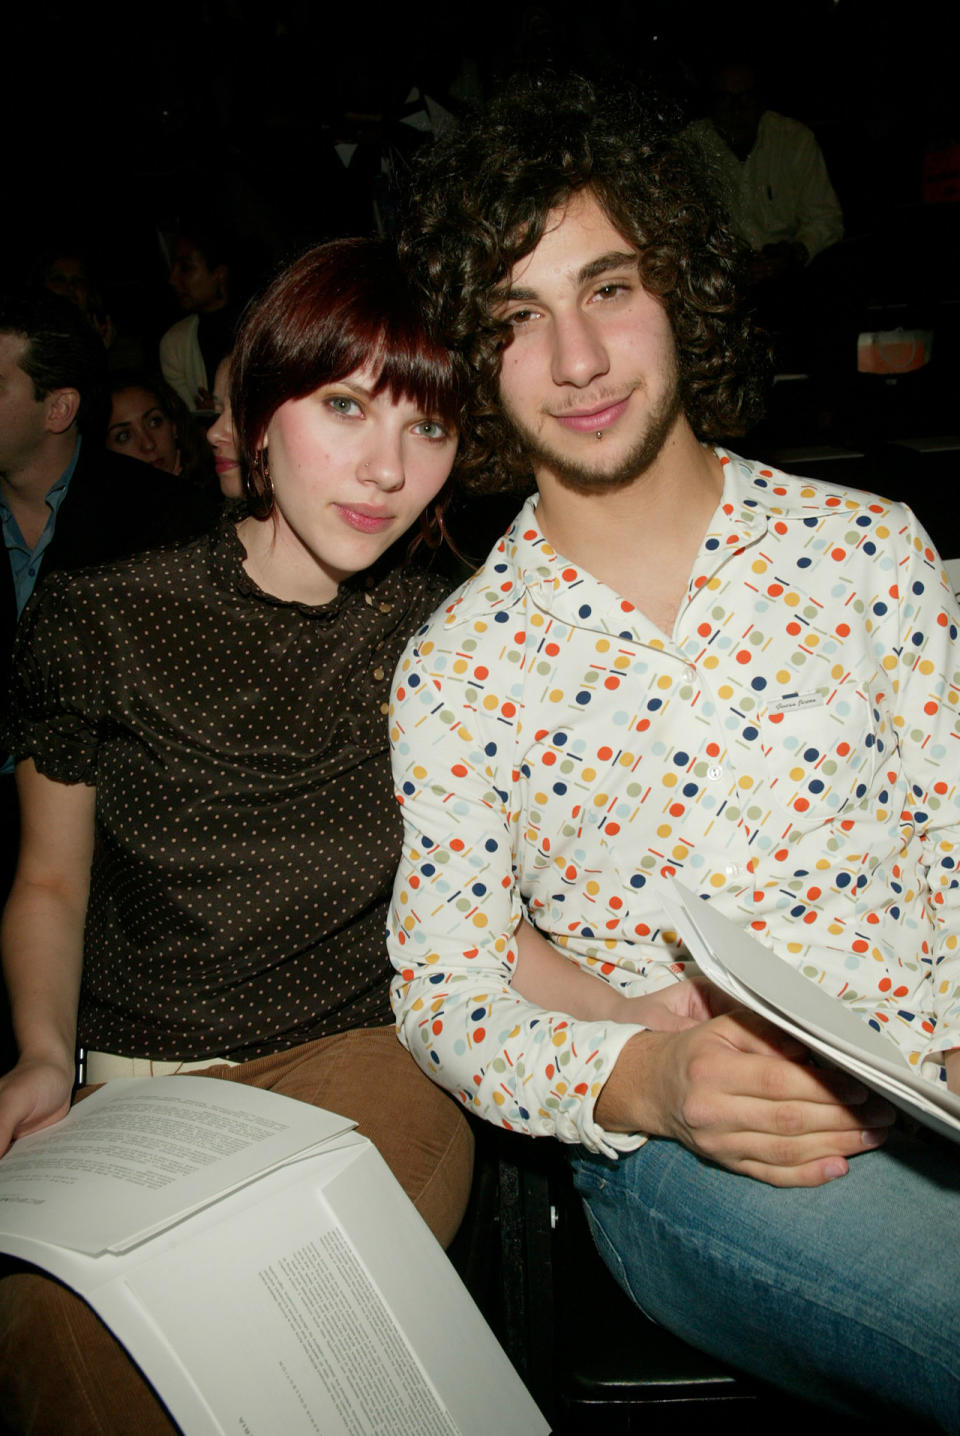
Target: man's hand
<point>736,1091</point>
<point>34,1094</point>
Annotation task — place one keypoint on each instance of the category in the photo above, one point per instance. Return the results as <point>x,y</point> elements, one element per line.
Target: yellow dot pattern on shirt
<point>787,752</point>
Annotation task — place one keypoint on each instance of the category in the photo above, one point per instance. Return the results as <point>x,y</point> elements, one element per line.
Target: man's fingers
<point>810,1174</point>
<point>750,1034</point>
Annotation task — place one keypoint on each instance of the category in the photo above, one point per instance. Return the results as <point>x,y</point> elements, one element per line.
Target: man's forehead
<point>13,348</point>
<point>579,242</point>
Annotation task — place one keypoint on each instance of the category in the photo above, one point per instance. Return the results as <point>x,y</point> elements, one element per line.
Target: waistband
<point>101,1066</point>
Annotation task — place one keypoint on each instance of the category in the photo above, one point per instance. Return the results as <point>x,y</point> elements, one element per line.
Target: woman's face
<point>221,438</point>
<point>140,429</point>
<point>351,471</point>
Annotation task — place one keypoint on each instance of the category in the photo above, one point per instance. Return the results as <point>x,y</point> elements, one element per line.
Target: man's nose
<point>579,355</point>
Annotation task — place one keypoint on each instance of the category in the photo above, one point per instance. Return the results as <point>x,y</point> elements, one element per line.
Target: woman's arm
<point>544,976</point>
<point>42,940</point>
<point>953,1070</point>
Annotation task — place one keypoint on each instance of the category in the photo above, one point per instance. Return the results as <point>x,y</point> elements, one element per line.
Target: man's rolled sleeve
<point>455,910</point>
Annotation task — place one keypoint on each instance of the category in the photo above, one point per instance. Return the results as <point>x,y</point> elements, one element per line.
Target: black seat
<point>591,1359</point>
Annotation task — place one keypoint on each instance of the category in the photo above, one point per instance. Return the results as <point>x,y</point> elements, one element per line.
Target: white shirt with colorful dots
<point>791,752</point>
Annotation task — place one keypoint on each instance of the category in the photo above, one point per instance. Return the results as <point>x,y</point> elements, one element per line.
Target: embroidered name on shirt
<point>792,701</point>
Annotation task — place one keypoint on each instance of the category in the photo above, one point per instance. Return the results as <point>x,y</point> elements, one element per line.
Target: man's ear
<point>62,407</point>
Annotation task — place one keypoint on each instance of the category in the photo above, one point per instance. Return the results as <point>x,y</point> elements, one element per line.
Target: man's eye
<point>522,316</point>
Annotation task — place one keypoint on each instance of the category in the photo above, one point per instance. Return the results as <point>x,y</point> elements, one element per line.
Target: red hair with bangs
<point>340,307</point>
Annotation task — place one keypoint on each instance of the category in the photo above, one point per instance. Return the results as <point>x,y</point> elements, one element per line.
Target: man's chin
<point>596,473</point>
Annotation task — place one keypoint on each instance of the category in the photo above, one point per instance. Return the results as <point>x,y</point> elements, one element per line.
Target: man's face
<point>68,277</point>
<point>592,353</point>
<point>22,417</point>
<point>199,289</point>
<point>736,108</point>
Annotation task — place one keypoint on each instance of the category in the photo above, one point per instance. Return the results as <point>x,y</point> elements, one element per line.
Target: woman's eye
<point>341,404</point>
<point>431,429</point>
<point>120,436</point>
<point>156,421</point>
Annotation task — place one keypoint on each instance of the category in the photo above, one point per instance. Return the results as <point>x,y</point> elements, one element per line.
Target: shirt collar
<point>378,599</point>
<point>574,595</point>
<point>57,490</point>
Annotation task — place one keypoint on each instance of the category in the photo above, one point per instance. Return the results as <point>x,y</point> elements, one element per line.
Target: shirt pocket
<point>823,753</point>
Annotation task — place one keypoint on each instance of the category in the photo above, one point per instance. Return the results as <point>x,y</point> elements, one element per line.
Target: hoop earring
<point>264,484</point>
<point>433,530</point>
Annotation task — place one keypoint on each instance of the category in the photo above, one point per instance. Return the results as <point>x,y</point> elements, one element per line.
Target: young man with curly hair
<point>678,662</point>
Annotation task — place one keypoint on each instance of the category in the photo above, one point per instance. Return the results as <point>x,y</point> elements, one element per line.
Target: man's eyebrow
<point>616,259</point>
<point>603,264</point>
<point>517,291</point>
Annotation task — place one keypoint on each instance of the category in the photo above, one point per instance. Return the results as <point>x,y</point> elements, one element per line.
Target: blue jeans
<point>847,1294</point>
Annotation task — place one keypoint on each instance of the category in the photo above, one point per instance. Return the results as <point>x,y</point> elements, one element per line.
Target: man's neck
<point>641,539</point>
<point>25,487</point>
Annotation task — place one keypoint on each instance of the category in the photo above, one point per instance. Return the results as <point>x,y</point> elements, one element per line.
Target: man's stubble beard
<point>581,477</point>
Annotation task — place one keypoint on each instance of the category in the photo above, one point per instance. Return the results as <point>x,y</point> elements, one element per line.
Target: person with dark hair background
<point>64,502</point>
<point>678,662</point>
<point>203,280</point>
<point>149,422</point>
<point>210,837</point>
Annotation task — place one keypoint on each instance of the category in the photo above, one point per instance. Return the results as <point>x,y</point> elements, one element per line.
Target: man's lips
<point>590,421</point>
<point>364,517</point>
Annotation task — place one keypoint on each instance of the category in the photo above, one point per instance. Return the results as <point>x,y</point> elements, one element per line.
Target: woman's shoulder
<point>173,569</point>
<point>427,591</point>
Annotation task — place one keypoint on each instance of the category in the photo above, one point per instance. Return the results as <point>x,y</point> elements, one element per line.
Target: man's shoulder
<point>786,495</point>
<point>180,333</point>
<point>486,599</point>
<point>116,506</point>
<point>784,129</point>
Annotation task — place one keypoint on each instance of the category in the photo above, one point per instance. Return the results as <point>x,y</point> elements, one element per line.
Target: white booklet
<point>755,977</point>
<point>261,1264</point>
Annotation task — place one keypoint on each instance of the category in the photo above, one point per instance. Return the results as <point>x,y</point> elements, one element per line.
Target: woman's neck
<point>283,567</point>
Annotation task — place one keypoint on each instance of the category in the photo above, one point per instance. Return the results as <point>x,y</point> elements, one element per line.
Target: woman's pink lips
<point>223,466</point>
<point>597,419</point>
<point>367,521</point>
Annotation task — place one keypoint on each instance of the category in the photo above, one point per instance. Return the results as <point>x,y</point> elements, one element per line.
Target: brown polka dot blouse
<point>246,832</point>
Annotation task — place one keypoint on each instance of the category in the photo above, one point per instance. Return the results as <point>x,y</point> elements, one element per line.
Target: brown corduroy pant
<point>61,1371</point>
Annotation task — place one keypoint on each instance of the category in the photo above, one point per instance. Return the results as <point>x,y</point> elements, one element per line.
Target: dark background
<point>118,119</point>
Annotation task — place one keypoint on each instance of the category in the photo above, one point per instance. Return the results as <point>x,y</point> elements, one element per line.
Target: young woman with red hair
<point>209,829</point>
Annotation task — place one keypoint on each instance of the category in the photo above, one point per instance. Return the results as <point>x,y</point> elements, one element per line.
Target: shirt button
<point>731,870</point>
<point>384,709</point>
<point>384,606</point>
<point>378,673</point>
<point>714,772</point>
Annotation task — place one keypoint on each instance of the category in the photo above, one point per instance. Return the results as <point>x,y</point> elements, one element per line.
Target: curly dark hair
<point>479,201</point>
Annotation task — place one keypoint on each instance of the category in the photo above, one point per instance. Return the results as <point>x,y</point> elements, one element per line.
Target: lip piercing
<point>599,433</point>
